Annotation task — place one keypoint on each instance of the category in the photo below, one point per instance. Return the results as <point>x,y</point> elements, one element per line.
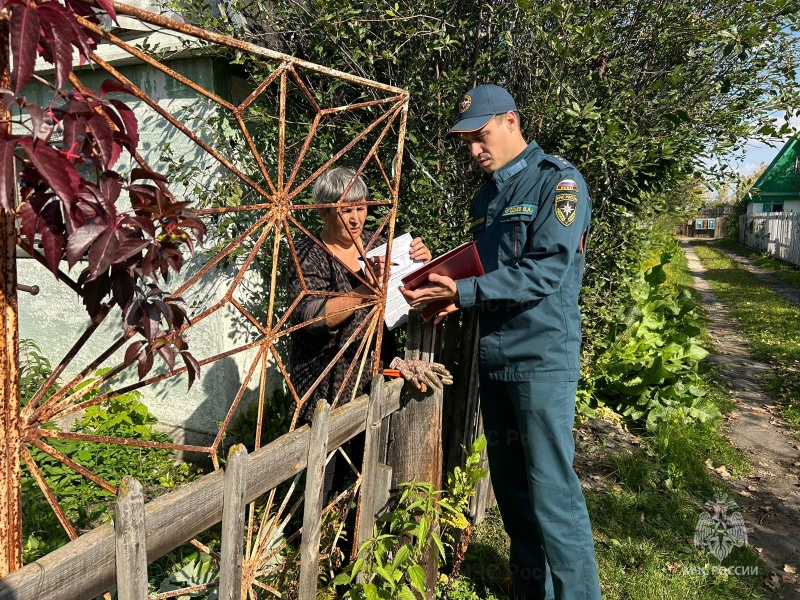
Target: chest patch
<point>519,209</point>
<point>565,206</point>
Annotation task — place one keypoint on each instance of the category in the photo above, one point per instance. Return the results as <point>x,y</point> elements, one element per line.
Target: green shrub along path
<point>754,334</point>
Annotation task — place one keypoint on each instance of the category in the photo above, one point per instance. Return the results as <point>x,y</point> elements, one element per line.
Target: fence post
<point>415,445</point>
<point>131,551</point>
<point>233,509</point>
<point>312,509</point>
<point>370,494</point>
<point>415,440</point>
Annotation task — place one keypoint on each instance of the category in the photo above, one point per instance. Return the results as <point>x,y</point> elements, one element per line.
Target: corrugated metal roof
<point>781,179</point>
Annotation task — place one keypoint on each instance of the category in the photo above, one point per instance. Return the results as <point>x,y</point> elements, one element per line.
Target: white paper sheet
<point>396,306</point>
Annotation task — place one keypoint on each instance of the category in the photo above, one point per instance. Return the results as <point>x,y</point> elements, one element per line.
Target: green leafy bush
<point>389,565</point>
<point>84,502</point>
<point>650,363</point>
<point>275,422</point>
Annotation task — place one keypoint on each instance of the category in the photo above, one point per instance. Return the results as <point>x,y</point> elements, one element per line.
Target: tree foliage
<point>638,94</point>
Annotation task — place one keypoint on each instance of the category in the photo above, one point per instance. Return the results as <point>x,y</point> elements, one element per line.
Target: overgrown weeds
<point>649,366</point>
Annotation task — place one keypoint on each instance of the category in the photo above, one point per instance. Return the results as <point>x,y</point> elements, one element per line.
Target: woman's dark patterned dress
<point>314,347</point>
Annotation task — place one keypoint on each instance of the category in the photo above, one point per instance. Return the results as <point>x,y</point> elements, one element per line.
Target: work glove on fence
<point>422,374</point>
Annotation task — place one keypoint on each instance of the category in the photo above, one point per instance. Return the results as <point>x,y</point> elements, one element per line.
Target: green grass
<point>786,272</point>
<point>769,323</point>
<point>643,526</point>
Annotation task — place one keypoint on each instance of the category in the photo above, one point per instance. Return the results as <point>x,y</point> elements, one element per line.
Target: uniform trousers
<point>530,446</point>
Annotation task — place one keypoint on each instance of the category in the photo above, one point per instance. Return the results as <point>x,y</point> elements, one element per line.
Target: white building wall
<point>55,318</point>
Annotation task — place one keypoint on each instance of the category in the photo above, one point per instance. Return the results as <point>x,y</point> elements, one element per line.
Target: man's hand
<point>438,287</point>
<point>447,310</point>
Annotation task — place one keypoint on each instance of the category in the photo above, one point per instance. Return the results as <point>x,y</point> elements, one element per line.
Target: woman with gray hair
<point>316,345</point>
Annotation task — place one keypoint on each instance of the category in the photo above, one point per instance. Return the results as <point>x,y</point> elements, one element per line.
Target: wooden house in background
<point>778,188</point>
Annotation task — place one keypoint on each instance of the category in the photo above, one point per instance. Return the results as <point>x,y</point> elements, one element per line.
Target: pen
<point>394,264</point>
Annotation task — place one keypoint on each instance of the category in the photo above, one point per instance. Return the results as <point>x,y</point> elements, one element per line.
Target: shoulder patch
<point>565,207</point>
<point>567,185</point>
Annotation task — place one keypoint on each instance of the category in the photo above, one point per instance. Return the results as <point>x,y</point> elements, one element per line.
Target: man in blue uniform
<point>529,221</point>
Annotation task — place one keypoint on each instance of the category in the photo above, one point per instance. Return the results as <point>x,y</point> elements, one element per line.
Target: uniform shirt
<point>529,223</point>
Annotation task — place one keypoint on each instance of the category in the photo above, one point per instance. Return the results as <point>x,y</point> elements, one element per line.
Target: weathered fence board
<point>415,439</point>
<point>778,234</point>
<point>233,517</point>
<point>131,550</point>
<point>415,449</point>
<point>369,477</point>
<point>408,438</point>
<point>85,567</point>
<point>314,502</point>
<point>461,412</point>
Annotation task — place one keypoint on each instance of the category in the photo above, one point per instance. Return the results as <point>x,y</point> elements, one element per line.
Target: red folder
<point>459,263</point>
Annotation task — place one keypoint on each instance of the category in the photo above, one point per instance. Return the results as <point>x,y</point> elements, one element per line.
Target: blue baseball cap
<point>479,105</point>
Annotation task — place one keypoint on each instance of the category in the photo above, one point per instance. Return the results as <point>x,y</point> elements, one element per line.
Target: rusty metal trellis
<point>279,184</point>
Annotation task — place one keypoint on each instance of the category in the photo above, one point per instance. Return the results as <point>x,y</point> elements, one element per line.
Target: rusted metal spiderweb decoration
<point>300,103</point>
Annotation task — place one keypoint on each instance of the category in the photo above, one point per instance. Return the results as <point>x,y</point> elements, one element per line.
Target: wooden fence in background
<point>777,234</point>
<point>408,436</point>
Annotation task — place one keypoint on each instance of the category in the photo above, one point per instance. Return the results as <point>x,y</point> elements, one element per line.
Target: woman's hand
<point>419,251</point>
<point>374,269</point>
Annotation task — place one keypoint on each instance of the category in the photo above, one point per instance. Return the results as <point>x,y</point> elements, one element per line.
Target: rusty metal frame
<point>278,198</point>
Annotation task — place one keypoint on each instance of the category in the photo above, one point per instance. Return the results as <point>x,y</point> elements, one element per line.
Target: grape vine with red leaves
<point>68,190</point>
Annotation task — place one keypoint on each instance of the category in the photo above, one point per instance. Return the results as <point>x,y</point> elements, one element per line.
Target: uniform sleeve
<point>555,236</point>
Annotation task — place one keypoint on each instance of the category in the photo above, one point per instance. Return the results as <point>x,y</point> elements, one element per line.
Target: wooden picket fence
<point>777,234</point>
<point>408,436</point>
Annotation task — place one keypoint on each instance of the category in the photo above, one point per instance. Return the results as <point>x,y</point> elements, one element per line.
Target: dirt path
<point>770,497</point>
